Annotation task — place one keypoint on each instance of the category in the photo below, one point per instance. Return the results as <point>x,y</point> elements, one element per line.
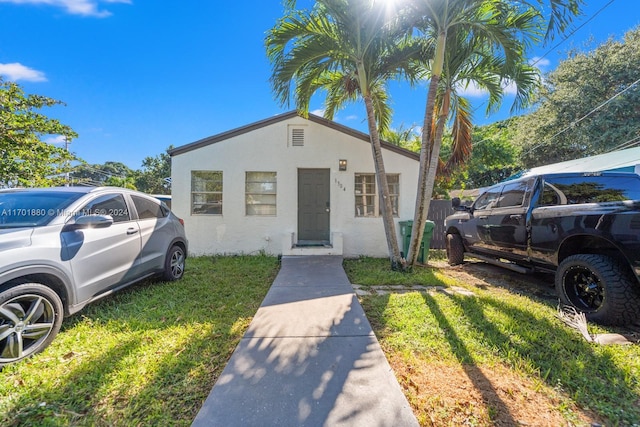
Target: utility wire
<point>573,124</point>
<point>563,40</point>
<point>627,144</point>
<point>102,172</point>
<point>573,32</point>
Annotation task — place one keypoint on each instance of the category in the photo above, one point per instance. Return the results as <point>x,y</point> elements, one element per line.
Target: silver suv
<point>62,248</point>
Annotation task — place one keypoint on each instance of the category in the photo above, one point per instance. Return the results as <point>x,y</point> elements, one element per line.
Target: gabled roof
<point>286,116</point>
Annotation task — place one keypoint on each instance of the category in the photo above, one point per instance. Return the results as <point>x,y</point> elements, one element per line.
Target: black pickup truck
<point>584,227</point>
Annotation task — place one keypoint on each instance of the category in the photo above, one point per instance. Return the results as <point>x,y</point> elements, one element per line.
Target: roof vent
<point>297,137</point>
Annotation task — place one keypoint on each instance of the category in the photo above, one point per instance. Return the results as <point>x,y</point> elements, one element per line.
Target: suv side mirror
<point>89,221</point>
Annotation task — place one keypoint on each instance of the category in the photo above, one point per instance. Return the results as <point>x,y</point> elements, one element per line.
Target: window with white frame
<point>367,202</point>
<point>206,192</point>
<point>260,193</point>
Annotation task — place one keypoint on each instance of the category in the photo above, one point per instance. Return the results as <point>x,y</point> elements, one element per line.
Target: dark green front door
<point>313,206</point>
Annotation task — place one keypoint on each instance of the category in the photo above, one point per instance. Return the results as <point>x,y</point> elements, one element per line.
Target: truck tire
<point>455,249</point>
<point>599,286</point>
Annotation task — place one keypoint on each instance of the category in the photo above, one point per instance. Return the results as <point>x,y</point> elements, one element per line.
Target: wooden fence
<point>438,211</point>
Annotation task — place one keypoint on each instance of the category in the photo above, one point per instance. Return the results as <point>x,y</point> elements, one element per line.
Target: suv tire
<point>30,318</point>
<point>174,264</point>
<point>599,286</point>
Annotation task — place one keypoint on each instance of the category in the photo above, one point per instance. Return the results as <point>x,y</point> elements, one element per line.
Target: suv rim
<point>25,322</point>
<point>177,263</point>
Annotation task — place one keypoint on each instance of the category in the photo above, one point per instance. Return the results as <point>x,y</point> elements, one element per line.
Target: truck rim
<point>583,288</point>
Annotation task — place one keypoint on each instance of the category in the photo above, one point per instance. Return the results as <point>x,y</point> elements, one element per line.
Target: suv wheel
<point>455,249</point>
<point>599,286</point>
<point>174,264</point>
<point>30,318</point>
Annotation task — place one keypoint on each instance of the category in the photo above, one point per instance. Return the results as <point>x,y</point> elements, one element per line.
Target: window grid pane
<point>206,192</point>
<point>393,182</point>
<point>261,193</point>
<point>366,198</point>
<point>365,195</point>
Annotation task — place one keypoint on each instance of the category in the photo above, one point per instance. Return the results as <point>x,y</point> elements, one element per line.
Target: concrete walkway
<point>309,358</point>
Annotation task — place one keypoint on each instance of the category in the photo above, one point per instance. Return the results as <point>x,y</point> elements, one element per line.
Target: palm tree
<point>350,49</point>
<point>504,28</point>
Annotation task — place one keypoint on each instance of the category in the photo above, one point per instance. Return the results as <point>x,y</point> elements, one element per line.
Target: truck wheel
<point>30,318</point>
<point>455,249</point>
<point>599,286</point>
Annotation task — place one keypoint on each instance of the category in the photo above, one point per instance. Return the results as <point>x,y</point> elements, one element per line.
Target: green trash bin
<point>427,234</point>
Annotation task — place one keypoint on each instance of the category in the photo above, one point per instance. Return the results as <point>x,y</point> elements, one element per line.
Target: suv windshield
<point>33,208</point>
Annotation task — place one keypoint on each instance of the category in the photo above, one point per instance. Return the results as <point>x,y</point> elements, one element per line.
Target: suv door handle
<point>131,231</point>
<point>515,216</point>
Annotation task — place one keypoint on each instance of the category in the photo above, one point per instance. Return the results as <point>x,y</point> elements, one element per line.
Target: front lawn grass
<point>488,340</point>
<point>148,355</point>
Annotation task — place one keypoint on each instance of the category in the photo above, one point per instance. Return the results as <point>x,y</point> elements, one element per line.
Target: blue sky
<point>140,75</point>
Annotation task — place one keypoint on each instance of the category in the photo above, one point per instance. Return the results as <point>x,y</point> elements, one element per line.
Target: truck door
<point>476,231</point>
<point>506,223</point>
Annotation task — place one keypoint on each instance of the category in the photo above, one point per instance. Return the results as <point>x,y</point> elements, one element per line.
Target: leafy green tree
<point>405,137</point>
<point>156,173</point>
<point>349,49</point>
<point>25,159</point>
<point>101,174</point>
<point>494,157</point>
<point>589,105</point>
<point>127,182</point>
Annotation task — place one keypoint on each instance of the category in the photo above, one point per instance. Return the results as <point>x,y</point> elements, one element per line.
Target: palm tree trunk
<point>383,188</point>
<point>429,155</point>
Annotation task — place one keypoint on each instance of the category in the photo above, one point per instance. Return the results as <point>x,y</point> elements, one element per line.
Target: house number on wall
<point>340,185</point>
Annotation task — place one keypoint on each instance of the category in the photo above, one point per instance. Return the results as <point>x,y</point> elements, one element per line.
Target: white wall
<point>268,149</point>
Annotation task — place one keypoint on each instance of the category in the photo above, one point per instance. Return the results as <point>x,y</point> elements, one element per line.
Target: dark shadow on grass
<point>60,402</point>
<point>561,356</point>
<point>563,359</point>
<point>467,362</point>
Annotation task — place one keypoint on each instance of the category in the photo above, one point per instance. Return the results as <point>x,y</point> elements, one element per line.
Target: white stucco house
<point>288,185</point>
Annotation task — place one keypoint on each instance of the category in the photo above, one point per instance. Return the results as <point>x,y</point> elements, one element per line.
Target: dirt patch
<point>467,395</point>
<point>483,275</point>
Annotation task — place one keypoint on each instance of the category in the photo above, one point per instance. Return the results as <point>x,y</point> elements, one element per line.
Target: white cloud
<point>57,139</point>
<point>471,90</point>
<point>318,112</point>
<point>16,71</point>
<point>540,62</point>
<point>351,117</point>
<point>474,91</point>
<point>74,7</point>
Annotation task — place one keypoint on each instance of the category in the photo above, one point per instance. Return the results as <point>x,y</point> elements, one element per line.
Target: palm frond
<point>461,133</point>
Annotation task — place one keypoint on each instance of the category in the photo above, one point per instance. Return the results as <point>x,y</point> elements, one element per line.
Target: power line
<point>573,32</point>
<point>573,124</point>
<point>102,172</point>
<point>592,17</point>
<point>627,144</point>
